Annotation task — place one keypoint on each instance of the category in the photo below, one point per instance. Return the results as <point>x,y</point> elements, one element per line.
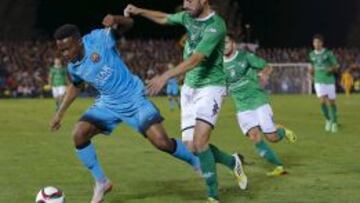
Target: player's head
<point>68,41</point>
<point>230,45</point>
<point>318,42</point>
<point>195,7</point>
<point>57,62</point>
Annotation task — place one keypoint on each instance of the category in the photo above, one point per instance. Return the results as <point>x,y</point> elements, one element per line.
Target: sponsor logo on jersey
<point>212,30</point>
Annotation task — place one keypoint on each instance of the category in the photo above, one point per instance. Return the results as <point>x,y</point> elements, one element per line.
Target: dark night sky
<point>276,23</point>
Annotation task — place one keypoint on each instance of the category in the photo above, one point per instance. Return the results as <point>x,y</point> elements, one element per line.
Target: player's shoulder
<point>218,21</point>
<point>216,25</point>
<point>249,53</point>
<point>328,51</point>
<point>94,35</point>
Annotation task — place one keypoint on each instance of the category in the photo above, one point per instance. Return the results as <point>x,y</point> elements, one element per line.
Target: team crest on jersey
<point>95,57</point>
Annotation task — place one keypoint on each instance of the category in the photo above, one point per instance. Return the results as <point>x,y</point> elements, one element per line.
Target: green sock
<point>57,104</point>
<point>280,132</point>
<point>208,168</point>
<point>222,157</point>
<point>267,153</point>
<point>325,111</point>
<point>333,113</point>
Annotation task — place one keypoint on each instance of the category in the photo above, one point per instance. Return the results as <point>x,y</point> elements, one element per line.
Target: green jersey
<point>243,81</point>
<point>58,76</point>
<point>323,61</point>
<point>205,36</point>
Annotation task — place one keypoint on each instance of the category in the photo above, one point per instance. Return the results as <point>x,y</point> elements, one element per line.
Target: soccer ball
<point>50,195</point>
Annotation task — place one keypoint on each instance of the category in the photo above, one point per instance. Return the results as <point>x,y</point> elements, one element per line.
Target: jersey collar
<point>319,52</point>
<point>206,17</point>
<point>231,58</point>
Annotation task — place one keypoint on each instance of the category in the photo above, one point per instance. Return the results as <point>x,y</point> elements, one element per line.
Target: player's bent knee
<point>80,136</point>
<point>272,137</point>
<point>254,135</point>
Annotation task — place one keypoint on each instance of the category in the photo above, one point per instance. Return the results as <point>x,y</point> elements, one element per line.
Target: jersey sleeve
<point>103,36</point>
<point>175,19</point>
<point>333,59</point>
<point>310,59</point>
<point>255,61</point>
<point>75,80</point>
<point>212,37</point>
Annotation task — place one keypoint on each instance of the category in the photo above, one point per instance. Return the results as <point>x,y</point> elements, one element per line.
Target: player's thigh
<point>208,102</point>
<point>188,114</point>
<point>84,131</point>
<point>158,137</point>
<point>331,92</point>
<point>320,90</point>
<point>143,115</point>
<point>62,90</point>
<point>266,120</point>
<point>102,118</point>
<point>55,92</point>
<point>247,120</point>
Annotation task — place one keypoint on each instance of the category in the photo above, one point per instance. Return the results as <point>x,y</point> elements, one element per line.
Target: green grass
<point>323,167</point>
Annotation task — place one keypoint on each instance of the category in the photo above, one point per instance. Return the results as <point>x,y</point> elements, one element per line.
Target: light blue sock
<point>87,156</point>
<point>184,154</point>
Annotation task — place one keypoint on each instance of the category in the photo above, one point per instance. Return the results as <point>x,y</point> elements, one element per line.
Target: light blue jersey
<point>172,87</point>
<point>121,94</point>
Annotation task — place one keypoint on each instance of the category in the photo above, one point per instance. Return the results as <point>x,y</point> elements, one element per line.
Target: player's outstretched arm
<point>155,16</point>
<point>156,84</point>
<point>71,93</point>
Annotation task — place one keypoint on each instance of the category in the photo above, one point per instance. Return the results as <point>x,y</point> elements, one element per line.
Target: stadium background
<point>283,30</point>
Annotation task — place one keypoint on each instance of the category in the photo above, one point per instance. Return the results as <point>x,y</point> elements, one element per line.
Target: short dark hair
<point>319,37</point>
<point>67,30</point>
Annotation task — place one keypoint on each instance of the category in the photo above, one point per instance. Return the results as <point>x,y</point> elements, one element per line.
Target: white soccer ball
<point>50,195</point>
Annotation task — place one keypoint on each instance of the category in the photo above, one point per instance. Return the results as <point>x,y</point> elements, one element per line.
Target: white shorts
<point>325,90</point>
<point>202,104</point>
<point>261,117</point>
<point>58,91</point>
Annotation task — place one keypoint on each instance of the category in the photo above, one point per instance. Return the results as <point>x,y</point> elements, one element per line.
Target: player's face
<point>70,48</point>
<point>229,46</point>
<point>194,7</point>
<point>318,44</point>
<point>57,62</point>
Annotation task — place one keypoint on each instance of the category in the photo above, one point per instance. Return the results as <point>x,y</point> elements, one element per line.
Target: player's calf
<point>157,136</point>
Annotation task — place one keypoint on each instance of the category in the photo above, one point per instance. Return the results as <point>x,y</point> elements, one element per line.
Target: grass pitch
<point>323,167</point>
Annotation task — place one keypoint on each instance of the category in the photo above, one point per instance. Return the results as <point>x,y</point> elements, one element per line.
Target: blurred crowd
<point>24,65</point>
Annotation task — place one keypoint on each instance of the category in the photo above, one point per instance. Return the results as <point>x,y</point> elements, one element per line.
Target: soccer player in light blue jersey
<point>172,90</point>
<point>94,59</point>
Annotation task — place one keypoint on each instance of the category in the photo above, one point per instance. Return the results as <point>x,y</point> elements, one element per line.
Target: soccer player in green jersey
<point>57,81</point>
<point>254,114</point>
<point>202,93</point>
<point>324,67</point>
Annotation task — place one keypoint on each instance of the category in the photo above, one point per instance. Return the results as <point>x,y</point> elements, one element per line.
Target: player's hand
<point>55,123</point>
<point>109,20</point>
<point>155,85</point>
<point>131,10</point>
